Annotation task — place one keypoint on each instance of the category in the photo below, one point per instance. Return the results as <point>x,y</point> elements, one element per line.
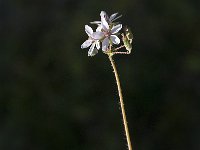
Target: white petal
<point>96,22</point>
<point>88,30</point>
<point>99,28</point>
<point>92,51</point>
<point>116,28</point>
<point>97,45</point>
<point>115,39</point>
<point>86,44</point>
<point>112,16</point>
<point>104,24</point>
<point>105,44</point>
<point>116,18</point>
<point>97,35</point>
<point>104,15</point>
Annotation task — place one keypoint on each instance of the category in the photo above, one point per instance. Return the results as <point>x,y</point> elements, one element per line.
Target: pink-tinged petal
<point>115,39</point>
<point>104,24</point>
<point>97,45</point>
<point>88,30</point>
<point>112,17</point>
<point>105,44</point>
<point>92,51</point>
<point>86,44</point>
<point>97,35</point>
<point>116,28</point>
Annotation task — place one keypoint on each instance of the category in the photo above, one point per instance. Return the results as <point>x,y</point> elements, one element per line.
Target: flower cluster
<point>105,35</point>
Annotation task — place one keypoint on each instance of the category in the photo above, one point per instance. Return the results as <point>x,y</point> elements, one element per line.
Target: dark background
<point>54,97</point>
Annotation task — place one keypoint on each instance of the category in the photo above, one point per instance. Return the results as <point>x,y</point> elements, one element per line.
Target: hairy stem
<point>119,48</point>
<point>125,53</point>
<point>121,102</point>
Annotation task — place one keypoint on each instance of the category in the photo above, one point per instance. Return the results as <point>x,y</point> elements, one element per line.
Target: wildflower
<point>106,33</point>
<point>109,29</point>
<point>92,41</point>
<point>109,33</point>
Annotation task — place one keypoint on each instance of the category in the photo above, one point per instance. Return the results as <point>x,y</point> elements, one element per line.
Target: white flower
<point>109,29</point>
<point>110,34</point>
<point>93,40</point>
<point>106,33</point>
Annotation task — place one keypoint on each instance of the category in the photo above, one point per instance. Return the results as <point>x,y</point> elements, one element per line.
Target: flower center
<point>107,33</point>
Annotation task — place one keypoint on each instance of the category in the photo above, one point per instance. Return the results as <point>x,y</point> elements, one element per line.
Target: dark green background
<point>54,97</point>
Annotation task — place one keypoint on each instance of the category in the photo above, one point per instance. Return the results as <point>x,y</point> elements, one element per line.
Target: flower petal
<point>116,18</point>
<point>116,28</point>
<point>96,22</point>
<point>86,44</point>
<point>112,17</point>
<point>92,51</point>
<point>104,24</point>
<point>105,44</point>
<point>97,45</point>
<point>104,15</point>
<point>115,39</point>
<point>99,28</point>
<point>88,30</point>
<point>97,35</point>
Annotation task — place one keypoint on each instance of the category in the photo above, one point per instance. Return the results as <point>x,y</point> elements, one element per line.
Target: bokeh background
<point>54,97</point>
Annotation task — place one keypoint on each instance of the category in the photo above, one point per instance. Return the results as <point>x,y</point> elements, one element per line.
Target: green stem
<point>121,101</point>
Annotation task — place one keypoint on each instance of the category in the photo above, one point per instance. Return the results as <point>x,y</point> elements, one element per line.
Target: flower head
<point>109,29</point>
<point>107,33</point>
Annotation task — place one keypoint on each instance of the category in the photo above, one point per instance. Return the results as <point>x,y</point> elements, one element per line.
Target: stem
<point>119,48</point>
<point>125,53</point>
<point>121,102</point>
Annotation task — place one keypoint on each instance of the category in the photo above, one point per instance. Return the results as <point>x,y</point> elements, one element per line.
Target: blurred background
<point>54,97</point>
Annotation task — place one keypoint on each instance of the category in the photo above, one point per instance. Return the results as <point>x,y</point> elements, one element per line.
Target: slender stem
<point>119,48</point>
<point>125,53</point>
<point>121,102</point>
